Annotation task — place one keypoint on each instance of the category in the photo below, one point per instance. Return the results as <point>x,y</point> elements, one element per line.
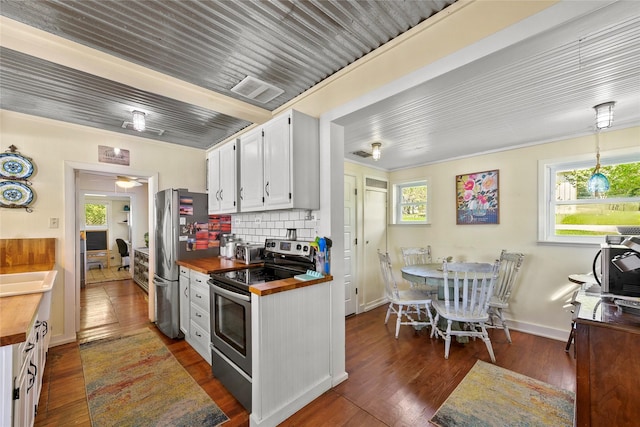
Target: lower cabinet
<point>185,302</point>
<point>198,335</point>
<point>25,365</point>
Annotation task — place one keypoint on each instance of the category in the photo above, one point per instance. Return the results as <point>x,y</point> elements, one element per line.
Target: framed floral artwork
<point>477,198</point>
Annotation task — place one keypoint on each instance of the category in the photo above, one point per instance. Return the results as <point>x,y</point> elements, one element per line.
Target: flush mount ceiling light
<point>375,147</point>
<point>604,115</point>
<point>598,184</point>
<point>126,182</point>
<point>138,118</point>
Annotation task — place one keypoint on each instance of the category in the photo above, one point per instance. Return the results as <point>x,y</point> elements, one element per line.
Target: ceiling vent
<point>147,129</point>
<point>362,154</point>
<point>257,90</point>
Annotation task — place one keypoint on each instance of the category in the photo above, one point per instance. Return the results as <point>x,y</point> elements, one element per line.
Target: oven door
<point>231,324</point>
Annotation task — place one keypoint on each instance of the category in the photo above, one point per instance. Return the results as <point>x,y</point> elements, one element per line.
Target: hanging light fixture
<point>138,120</point>
<point>598,184</point>
<point>376,150</point>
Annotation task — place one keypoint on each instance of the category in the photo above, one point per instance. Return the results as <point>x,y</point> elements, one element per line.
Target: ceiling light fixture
<point>138,118</point>
<point>376,150</point>
<point>124,182</point>
<point>598,183</point>
<point>604,115</point>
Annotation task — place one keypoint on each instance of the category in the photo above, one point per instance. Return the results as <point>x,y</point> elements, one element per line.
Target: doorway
<point>72,230</point>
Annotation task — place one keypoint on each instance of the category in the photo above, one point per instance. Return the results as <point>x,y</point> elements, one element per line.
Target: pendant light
<point>598,184</point>
<point>376,150</point>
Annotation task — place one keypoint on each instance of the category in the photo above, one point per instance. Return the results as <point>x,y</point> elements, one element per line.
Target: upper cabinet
<point>222,182</point>
<point>251,171</point>
<point>279,164</point>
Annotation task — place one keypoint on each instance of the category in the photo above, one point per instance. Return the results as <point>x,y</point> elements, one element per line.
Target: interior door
<point>375,238</point>
<point>350,233</point>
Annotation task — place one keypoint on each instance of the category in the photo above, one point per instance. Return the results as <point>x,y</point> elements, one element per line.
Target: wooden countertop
<point>269,288</point>
<point>17,312</point>
<point>220,265</point>
<point>212,264</point>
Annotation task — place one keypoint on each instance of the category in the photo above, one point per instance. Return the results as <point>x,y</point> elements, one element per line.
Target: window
<point>95,215</point>
<point>411,205</point>
<point>570,213</point>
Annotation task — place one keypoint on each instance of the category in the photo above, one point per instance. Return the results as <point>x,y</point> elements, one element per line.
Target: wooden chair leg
<point>571,336</point>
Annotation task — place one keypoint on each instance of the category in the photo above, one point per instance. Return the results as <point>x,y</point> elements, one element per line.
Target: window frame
<point>107,206</point>
<point>547,170</point>
<point>398,205</point>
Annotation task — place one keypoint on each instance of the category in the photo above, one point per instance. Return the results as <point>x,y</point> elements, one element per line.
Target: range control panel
<point>289,247</point>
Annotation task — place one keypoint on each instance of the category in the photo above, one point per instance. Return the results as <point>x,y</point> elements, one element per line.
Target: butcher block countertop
<point>221,265</point>
<point>17,312</point>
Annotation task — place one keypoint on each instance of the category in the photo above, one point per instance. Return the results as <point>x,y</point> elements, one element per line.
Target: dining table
<point>425,276</point>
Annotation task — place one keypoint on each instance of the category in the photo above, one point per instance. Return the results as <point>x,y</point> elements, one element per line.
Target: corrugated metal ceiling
<point>212,44</point>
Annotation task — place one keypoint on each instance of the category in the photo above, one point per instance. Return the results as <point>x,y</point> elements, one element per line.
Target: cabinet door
<point>277,163</point>
<point>213,179</point>
<point>185,303</point>
<point>251,172</point>
<point>227,193</point>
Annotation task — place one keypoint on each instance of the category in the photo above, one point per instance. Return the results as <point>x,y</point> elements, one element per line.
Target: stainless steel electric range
<point>231,311</point>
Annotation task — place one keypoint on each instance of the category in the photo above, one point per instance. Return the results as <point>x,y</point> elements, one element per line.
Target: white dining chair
<point>467,291</point>
<point>510,263</point>
<point>411,307</point>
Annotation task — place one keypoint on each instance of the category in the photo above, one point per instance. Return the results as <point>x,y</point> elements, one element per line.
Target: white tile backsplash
<point>256,227</point>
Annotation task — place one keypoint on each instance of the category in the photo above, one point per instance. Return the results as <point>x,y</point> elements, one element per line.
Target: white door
<point>251,171</point>
<point>350,233</point>
<point>277,163</point>
<point>375,238</point>
<point>213,185</point>
<point>227,193</point>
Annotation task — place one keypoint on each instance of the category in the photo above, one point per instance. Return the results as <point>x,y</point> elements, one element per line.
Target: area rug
<point>492,396</point>
<point>136,381</point>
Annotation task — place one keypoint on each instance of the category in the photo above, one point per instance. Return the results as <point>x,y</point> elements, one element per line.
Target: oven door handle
<point>230,294</point>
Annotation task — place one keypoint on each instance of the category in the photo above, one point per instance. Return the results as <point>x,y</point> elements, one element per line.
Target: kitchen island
<point>291,341</point>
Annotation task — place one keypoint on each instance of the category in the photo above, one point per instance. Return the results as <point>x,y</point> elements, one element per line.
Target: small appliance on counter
<point>250,253</point>
<point>620,267</point>
<point>228,243</point>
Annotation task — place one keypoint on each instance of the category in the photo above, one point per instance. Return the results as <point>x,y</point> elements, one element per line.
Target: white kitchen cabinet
<point>222,179</point>
<point>199,314</point>
<point>21,377</point>
<point>185,302</point>
<point>251,171</point>
<point>280,166</point>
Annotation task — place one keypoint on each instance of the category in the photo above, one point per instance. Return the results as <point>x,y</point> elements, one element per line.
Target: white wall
<point>52,145</point>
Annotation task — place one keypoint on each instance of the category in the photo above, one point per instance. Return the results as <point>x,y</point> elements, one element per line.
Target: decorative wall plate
<point>14,194</point>
<point>15,166</point>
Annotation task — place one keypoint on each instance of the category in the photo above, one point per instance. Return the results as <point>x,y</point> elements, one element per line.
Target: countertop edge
<point>277,286</point>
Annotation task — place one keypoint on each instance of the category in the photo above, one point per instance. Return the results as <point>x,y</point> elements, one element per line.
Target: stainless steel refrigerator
<point>181,232</point>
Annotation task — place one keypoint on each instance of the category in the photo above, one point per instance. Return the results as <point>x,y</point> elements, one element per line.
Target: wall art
<point>477,199</point>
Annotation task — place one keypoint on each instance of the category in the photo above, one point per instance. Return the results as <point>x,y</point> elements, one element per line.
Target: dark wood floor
<point>391,382</point>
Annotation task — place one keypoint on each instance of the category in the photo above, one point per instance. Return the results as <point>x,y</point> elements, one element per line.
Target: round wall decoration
<point>14,194</point>
<point>15,166</point>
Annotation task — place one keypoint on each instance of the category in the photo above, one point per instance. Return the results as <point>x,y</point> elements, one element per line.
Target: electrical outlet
<point>258,220</point>
<point>53,223</point>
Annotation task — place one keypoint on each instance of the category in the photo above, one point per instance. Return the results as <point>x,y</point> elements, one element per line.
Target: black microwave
<point>613,280</point>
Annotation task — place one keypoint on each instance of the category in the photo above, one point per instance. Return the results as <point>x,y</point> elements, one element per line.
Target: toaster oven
<point>249,253</point>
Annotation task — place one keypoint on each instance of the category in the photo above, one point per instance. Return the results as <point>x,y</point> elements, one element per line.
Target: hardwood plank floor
<point>391,382</point>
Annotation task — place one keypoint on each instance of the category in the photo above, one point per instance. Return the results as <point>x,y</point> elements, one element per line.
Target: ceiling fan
<point>127,182</point>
